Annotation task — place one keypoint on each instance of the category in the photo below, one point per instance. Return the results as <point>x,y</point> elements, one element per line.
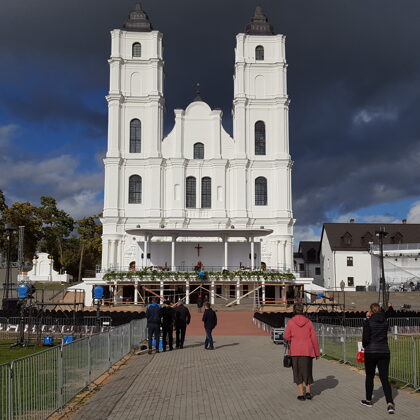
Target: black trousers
<point>153,330</point>
<point>167,336</point>
<point>180,329</point>
<point>380,360</point>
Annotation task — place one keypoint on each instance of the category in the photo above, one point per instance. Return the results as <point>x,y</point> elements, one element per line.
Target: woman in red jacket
<point>300,333</point>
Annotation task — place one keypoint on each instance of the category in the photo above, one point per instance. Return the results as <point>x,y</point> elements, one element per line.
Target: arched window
<point>198,151</point>
<point>206,192</point>
<point>260,191</point>
<point>134,189</point>
<point>190,196</point>
<point>259,53</point>
<point>136,49</point>
<point>135,136</point>
<point>260,138</point>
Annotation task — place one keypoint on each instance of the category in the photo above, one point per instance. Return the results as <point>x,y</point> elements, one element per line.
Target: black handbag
<point>287,359</point>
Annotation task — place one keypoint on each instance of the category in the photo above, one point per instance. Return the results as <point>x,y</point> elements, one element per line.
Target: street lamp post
<point>381,234</point>
<point>9,229</point>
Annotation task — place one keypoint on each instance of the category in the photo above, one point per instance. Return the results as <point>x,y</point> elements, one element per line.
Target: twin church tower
<point>168,198</point>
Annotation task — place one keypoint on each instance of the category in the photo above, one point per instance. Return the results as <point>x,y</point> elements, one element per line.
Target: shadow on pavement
<point>227,345</point>
<point>378,394</point>
<point>321,385</point>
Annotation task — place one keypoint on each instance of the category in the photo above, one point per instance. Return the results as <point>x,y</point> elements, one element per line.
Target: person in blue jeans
<point>154,315</point>
<point>210,322</point>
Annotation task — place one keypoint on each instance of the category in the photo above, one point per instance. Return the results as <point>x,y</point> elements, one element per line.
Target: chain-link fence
<point>33,387</point>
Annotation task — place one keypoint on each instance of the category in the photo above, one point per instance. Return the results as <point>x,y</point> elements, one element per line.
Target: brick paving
<point>242,379</point>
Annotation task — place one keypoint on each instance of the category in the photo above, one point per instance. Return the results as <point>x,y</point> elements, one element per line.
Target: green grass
<point>52,286</point>
<point>8,353</point>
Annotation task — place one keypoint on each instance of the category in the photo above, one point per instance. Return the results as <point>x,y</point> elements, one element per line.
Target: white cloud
<point>413,215</point>
<point>366,116</point>
<point>372,218</point>
<point>84,203</point>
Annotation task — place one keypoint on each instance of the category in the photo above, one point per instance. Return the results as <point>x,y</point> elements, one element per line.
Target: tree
<point>90,231</point>
<point>56,225</point>
<point>25,214</point>
<point>3,236</point>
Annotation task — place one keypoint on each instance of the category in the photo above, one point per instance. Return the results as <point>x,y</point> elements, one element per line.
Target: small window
<point>134,189</point>
<point>349,261</point>
<point>219,290</point>
<point>135,136</point>
<point>261,191</point>
<point>136,49</point>
<point>317,271</point>
<point>346,239</point>
<point>232,291</point>
<point>350,281</point>
<point>260,138</point>
<point>259,53</point>
<point>190,197</point>
<point>198,151</point>
<point>206,193</point>
<point>245,289</point>
<point>301,267</point>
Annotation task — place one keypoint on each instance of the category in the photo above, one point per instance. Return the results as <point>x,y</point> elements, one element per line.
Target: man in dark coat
<point>168,319</point>
<point>153,315</point>
<point>182,319</point>
<point>210,322</point>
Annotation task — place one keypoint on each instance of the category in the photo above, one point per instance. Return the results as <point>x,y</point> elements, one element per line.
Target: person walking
<point>377,355</point>
<point>168,319</point>
<point>210,322</point>
<point>153,315</point>
<point>199,302</point>
<point>182,319</point>
<point>300,333</point>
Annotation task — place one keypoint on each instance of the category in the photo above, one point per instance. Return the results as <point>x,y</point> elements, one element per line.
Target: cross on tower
<point>198,247</point>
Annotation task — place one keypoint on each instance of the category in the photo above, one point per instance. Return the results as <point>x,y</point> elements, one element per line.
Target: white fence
<point>35,386</point>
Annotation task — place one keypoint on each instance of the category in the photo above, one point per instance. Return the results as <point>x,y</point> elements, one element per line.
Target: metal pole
<point>9,229</point>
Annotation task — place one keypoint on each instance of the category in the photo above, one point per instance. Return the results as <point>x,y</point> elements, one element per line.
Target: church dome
<point>138,21</point>
<point>259,24</point>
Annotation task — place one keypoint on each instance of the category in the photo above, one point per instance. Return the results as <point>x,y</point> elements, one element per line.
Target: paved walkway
<point>242,379</point>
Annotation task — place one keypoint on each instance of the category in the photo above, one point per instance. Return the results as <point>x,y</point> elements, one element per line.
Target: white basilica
<point>197,199</point>
<point>197,194</point>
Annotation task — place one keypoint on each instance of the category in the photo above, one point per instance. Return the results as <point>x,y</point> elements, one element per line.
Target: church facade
<point>197,195</point>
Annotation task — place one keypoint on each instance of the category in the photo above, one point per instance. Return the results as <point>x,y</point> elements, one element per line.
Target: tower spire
<point>259,24</point>
<point>138,21</point>
<point>198,97</point>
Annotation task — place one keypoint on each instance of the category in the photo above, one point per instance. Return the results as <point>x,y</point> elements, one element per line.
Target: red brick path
<point>229,323</point>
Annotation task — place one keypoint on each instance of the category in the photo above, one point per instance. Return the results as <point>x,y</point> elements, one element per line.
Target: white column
<point>173,268</point>
<point>263,290</point>
<point>238,291</point>
<point>187,291</point>
<point>145,250</point>
<point>115,292</point>
<point>252,254</point>
<point>136,292</point>
<point>112,253</point>
<point>225,240</point>
<point>162,289</point>
<point>212,292</point>
<point>119,257</point>
<point>289,258</point>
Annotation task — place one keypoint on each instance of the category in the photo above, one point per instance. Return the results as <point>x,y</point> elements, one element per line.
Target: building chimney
<point>351,220</point>
<point>404,221</point>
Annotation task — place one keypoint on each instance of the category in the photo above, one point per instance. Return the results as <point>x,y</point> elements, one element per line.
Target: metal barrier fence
<point>36,386</point>
<point>86,320</point>
<point>400,325</point>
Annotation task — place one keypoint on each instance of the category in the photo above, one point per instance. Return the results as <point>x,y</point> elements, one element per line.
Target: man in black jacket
<point>210,322</point>
<point>153,315</point>
<point>168,319</point>
<point>182,319</point>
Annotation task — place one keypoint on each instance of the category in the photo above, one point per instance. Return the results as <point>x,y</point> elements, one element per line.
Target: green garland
<point>181,275</point>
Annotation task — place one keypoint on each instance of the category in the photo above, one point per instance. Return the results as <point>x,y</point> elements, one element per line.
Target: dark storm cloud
<point>353,77</point>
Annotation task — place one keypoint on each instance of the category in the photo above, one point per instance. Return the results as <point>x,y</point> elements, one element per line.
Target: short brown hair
<point>298,308</point>
<point>374,307</point>
<point>207,305</point>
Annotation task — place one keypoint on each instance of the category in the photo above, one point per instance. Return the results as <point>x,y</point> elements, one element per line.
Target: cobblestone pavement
<point>242,378</point>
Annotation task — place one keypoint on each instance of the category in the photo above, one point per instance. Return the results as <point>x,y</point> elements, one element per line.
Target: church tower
<point>135,129</point>
<point>261,166</point>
